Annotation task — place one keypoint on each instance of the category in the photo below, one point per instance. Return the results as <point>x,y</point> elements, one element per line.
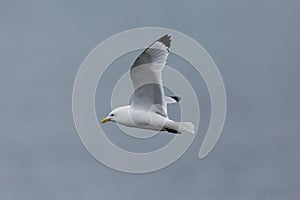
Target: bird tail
<point>187,127</point>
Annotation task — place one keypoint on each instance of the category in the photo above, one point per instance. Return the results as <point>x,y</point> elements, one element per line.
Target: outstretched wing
<point>146,77</point>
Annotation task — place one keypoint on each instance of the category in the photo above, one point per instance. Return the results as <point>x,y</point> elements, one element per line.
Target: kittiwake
<point>148,109</point>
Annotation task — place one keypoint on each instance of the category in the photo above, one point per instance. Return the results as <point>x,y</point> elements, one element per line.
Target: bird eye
<point>111,115</point>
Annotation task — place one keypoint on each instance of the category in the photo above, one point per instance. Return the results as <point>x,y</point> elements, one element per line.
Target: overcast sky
<point>256,47</point>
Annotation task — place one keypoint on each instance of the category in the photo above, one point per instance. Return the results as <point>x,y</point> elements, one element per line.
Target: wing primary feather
<point>146,76</point>
<point>166,40</point>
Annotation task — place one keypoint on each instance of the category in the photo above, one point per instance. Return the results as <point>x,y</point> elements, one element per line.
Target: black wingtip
<point>166,40</point>
<point>176,98</point>
<point>172,131</point>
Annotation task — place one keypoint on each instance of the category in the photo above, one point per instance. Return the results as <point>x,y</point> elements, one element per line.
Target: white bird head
<point>117,115</point>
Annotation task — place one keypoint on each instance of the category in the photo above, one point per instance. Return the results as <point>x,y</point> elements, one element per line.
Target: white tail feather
<point>187,127</point>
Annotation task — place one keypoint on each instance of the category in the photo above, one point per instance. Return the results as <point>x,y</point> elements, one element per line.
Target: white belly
<point>145,120</point>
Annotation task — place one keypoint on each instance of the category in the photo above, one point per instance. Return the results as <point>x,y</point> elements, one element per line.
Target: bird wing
<point>146,77</point>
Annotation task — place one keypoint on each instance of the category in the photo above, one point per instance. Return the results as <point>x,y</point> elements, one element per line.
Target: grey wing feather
<point>146,77</point>
<point>157,52</point>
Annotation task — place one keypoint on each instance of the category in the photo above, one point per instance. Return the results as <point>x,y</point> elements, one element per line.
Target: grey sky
<point>256,47</point>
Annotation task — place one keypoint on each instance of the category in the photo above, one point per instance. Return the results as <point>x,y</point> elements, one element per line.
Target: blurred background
<point>256,47</point>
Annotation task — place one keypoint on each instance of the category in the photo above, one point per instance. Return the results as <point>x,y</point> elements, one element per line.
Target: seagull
<point>148,109</point>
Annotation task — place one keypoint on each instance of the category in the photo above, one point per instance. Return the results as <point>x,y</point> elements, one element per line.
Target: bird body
<point>148,109</point>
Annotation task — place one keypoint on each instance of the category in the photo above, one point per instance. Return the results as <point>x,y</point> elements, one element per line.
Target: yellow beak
<point>106,119</point>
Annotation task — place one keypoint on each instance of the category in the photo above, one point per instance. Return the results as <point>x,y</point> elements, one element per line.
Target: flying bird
<point>148,109</point>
